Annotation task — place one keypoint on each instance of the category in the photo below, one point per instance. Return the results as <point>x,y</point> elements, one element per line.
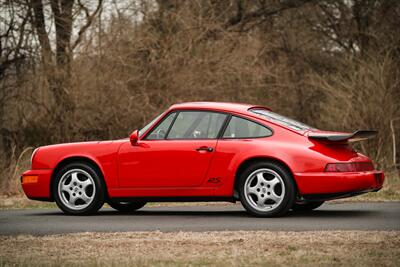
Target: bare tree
<point>57,64</point>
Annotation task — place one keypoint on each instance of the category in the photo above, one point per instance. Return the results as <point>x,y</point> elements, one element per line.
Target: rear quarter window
<point>243,128</point>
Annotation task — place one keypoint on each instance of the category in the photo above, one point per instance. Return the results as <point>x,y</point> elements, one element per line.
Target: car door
<point>176,153</point>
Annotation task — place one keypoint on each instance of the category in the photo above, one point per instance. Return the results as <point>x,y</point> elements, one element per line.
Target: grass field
<point>259,248</point>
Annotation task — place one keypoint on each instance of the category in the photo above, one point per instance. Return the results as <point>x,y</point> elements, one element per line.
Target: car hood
<point>84,144</point>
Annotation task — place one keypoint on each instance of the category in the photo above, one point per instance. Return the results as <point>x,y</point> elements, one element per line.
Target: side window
<point>145,128</point>
<point>160,131</point>
<point>242,128</point>
<point>196,125</point>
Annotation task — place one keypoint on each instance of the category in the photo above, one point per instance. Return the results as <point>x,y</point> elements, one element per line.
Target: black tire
<point>98,190</point>
<point>307,206</point>
<point>126,206</point>
<point>288,197</point>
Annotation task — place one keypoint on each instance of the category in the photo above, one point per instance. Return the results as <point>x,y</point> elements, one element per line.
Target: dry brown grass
<point>12,169</point>
<point>389,192</point>
<point>259,248</point>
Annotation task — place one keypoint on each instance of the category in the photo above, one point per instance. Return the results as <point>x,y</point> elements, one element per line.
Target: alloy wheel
<point>264,189</point>
<point>76,189</point>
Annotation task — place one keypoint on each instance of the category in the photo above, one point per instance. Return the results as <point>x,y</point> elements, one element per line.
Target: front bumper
<point>36,184</point>
<point>337,185</point>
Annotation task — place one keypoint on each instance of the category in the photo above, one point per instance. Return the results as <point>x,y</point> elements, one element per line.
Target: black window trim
<point>198,110</point>
<point>178,111</point>
<point>221,130</point>
<point>170,126</point>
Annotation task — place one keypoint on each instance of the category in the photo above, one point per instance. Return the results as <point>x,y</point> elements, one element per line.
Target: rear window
<point>282,120</point>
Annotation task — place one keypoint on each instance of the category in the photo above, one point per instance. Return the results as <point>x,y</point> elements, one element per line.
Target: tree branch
<point>262,12</point>
<point>89,21</point>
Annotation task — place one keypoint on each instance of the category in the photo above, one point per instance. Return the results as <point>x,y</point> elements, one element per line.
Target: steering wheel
<point>196,134</point>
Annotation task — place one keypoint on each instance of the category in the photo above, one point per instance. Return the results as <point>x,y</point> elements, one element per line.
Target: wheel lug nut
<point>262,195</point>
<point>258,189</point>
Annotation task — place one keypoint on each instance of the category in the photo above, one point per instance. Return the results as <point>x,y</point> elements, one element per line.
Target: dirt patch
<point>242,248</point>
<point>22,202</point>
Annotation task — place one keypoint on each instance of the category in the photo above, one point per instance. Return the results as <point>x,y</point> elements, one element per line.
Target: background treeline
<point>75,70</point>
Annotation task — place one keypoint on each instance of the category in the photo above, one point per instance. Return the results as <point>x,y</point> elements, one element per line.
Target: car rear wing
<point>332,137</point>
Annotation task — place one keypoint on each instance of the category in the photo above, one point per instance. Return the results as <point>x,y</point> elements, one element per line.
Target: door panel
<point>176,153</point>
<point>165,163</point>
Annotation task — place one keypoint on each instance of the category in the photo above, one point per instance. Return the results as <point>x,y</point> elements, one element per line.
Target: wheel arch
<point>247,162</point>
<point>80,159</point>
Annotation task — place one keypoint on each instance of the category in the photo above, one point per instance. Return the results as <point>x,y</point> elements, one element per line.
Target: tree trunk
<point>58,71</point>
<point>61,81</point>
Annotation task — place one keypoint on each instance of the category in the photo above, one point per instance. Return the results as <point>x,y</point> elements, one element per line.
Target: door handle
<point>205,148</point>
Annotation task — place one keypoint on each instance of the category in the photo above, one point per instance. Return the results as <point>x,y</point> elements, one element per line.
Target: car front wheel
<point>266,189</point>
<point>78,189</point>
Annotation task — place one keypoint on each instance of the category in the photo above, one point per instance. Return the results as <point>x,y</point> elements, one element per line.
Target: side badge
<point>214,180</point>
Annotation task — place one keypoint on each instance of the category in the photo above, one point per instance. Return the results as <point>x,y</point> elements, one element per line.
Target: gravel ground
<point>227,248</point>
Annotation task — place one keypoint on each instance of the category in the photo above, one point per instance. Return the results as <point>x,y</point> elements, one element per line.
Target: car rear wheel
<point>126,206</point>
<point>266,189</point>
<point>78,189</point>
<point>306,206</point>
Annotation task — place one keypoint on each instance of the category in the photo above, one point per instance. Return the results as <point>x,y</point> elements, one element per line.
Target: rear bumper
<point>36,184</point>
<point>337,185</point>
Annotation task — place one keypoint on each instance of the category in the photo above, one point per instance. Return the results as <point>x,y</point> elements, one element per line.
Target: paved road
<point>345,216</point>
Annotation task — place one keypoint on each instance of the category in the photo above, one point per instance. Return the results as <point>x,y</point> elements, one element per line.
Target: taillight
<point>349,167</point>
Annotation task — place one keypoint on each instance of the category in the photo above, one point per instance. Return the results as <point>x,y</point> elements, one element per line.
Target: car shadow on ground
<point>240,213</point>
<point>221,213</point>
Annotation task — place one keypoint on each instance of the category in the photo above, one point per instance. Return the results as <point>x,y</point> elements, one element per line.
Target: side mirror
<point>134,137</point>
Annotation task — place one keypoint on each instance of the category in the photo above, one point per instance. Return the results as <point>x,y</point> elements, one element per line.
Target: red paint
<point>176,168</point>
<point>164,163</point>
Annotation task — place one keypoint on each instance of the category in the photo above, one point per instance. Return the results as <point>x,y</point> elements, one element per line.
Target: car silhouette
<point>206,151</point>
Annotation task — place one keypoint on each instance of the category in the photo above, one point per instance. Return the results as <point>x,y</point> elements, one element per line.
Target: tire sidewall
<point>99,196</point>
<point>290,189</point>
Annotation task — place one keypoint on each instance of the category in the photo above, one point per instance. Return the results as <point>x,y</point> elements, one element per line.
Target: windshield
<point>279,119</point>
<point>145,128</point>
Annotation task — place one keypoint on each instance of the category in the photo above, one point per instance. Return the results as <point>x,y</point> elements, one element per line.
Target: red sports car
<point>206,152</point>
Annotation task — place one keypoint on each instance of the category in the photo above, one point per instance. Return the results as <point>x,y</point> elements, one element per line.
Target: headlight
<point>33,155</point>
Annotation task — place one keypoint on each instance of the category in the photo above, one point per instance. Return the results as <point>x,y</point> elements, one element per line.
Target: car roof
<point>221,106</point>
